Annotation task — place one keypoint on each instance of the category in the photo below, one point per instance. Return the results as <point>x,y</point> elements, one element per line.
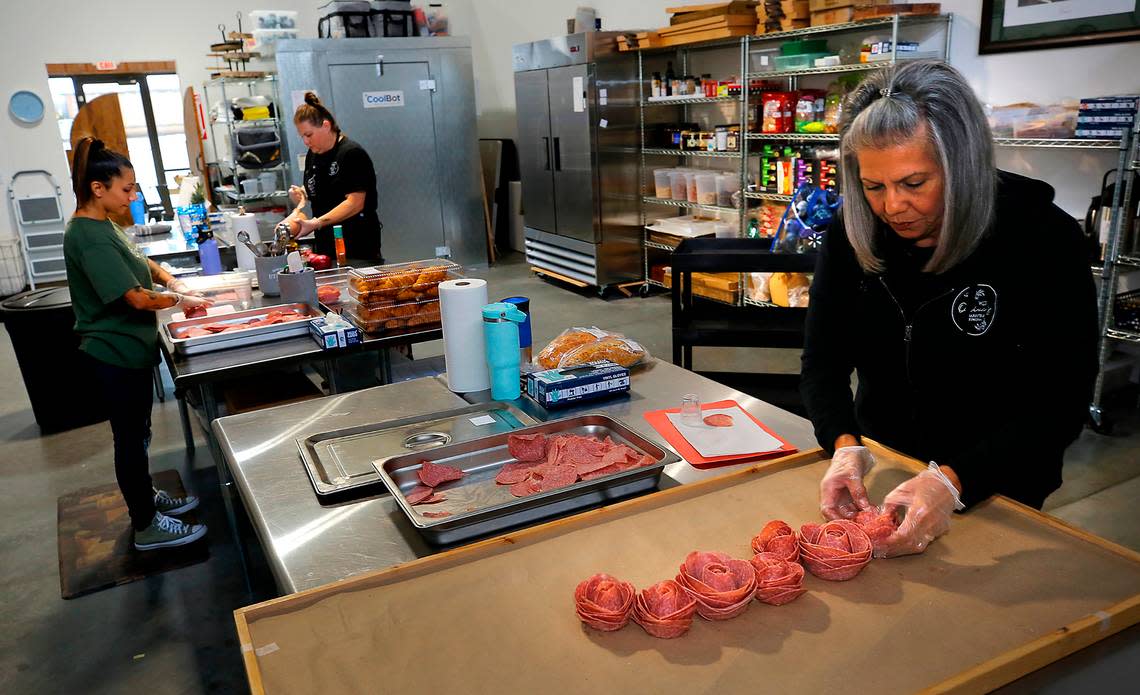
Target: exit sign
<point>106,65</point>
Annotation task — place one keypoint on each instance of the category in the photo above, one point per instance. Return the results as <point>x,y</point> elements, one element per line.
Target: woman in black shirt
<point>340,183</point>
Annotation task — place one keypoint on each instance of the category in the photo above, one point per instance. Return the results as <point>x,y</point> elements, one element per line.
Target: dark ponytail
<point>93,162</point>
<point>314,113</point>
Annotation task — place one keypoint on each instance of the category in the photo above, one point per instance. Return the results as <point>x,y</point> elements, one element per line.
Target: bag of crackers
<point>576,346</point>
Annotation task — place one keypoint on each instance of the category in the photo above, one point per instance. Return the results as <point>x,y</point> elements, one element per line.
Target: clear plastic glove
<point>189,302</point>
<point>929,498</point>
<point>297,195</point>
<point>841,492</point>
<point>182,288</point>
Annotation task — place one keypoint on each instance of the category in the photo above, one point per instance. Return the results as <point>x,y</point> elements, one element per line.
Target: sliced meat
<point>604,602</point>
<point>548,477</point>
<point>778,538</point>
<point>524,488</point>
<point>434,474</point>
<point>195,332</point>
<point>664,610</point>
<point>435,515</point>
<point>527,447</point>
<point>512,473</point>
<point>718,420</point>
<point>195,312</point>
<point>836,551</point>
<point>722,585</point>
<point>418,494</point>
<point>778,581</point>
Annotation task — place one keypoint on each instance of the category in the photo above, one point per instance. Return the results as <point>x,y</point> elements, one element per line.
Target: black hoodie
<point>987,368</point>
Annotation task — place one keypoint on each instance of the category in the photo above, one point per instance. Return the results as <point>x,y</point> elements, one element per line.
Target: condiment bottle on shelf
<point>670,80</point>
<point>655,86</point>
<point>501,338</point>
<point>338,241</point>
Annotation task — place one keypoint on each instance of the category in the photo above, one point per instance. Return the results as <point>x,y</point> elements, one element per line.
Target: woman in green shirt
<point>113,295</point>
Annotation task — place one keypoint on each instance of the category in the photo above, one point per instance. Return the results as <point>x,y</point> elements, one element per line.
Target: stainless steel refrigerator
<point>576,104</point>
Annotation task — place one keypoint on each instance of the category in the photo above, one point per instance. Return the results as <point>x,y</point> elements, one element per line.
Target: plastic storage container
<point>706,188</point>
<point>273,19</point>
<point>411,281</point>
<point>264,41</point>
<point>387,315</point>
<point>234,287</point>
<point>691,186</point>
<point>336,278</point>
<point>662,186</point>
<point>679,185</point>
<point>763,59</point>
<point>726,185</point>
<point>799,61</point>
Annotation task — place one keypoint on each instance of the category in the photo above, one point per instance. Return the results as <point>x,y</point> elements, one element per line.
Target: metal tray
<point>252,336</point>
<point>479,506</point>
<point>341,460</point>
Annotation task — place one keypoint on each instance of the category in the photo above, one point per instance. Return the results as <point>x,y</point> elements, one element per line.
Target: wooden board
<point>699,36</point>
<point>558,276</point>
<point>710,7</point>
<point>732,8</point>
<point>1007,591</point>
<point>102,118</point>
<point>917,8</point>
<point>717,22</point>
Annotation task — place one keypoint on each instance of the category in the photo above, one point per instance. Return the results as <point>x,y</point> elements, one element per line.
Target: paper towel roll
<point>245,222</point>
<point>461,312</point>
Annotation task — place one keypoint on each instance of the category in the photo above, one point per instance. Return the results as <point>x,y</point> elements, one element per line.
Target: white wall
<point>36,32</point>
<point>1039,76</point>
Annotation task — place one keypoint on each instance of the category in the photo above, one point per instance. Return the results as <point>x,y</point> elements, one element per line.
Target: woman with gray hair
<point>961,297</point>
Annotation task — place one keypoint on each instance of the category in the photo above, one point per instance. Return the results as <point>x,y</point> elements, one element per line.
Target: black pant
<point>128,395</point>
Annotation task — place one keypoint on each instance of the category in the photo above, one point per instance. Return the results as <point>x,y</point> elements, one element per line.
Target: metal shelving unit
<point>228,88</point>
<point>744,44</point>
<point>1115,263</point>
<point>1064,143</point>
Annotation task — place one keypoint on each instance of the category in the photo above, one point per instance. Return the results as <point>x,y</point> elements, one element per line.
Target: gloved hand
<point>182,288</point>
<point>190,302</point>
<point>929,498</point>
<point>841,492</point>
<point>297,195</point>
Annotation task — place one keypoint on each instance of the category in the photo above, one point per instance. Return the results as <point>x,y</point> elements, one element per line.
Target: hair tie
<point>885,92</point>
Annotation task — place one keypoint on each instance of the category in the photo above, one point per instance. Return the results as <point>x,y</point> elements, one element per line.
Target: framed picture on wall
<point>1025,25</point>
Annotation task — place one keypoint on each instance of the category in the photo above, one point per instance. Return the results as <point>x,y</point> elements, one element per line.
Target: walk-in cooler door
<point>386,108</point>
<point>573,152</point>
<point>535,159</point>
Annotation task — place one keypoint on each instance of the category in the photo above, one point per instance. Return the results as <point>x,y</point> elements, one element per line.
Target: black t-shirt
<point>329,178</point>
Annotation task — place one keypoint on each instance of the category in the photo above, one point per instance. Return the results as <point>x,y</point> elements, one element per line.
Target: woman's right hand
<point>841,491</point>
<point>297,195</point>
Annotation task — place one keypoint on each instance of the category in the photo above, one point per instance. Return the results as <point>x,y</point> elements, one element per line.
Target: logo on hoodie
<point>974,309</point>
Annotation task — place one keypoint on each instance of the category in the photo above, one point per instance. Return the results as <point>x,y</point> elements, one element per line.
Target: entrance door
<point>383,109</point>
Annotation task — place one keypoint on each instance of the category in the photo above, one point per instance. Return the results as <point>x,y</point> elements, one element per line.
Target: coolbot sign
<point>974,309</point>
<point>383,100</point>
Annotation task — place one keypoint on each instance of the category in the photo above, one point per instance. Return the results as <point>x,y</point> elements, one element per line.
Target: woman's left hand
<point>307,227</point>
<point>182,288</point>
<point>929,498</point>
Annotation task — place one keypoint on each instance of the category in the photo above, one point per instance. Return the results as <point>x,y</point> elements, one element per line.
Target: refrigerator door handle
<point>546,149</point>
<point>557,154</point>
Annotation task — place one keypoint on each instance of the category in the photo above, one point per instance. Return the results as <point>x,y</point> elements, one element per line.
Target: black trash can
<point>58,377</point>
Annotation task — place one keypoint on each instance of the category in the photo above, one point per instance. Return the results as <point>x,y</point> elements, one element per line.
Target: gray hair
<point>888,108</point>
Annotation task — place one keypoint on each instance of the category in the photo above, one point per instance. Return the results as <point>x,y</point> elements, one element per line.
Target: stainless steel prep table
<point>203,372</point>
<point>308,544</point>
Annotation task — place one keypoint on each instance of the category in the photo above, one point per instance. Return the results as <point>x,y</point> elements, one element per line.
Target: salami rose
<point>837,550</point>
<point>721,584</point>
<point>778,581</point>
<point>604,603</point>
<point>665,609</point>
<point>779,539</point>
<point>878,525</point>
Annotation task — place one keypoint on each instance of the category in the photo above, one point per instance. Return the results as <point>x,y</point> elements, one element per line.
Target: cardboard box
<point>329,337</point>
<point>836,16</point>
<point>555,388</point>
<point>821,5</point>
<point>796,9</point>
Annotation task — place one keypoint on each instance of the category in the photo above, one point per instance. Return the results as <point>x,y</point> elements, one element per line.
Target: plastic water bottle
<point>208,253</point>
<point>501,337</point>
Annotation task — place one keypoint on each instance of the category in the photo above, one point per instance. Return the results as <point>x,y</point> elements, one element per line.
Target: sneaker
<point>167,532</point>
<point>167,504</point>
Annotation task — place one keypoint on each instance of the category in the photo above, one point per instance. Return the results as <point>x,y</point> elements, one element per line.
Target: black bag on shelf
<point>345,19</point>
<point>393,18</point>
<point>257,147</point>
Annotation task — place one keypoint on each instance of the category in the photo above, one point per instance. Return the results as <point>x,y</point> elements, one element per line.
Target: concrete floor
<point>173,633</point>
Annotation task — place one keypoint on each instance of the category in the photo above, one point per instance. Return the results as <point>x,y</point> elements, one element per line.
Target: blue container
<point>208,253</point>
<point>138,209</point>
<point>501,337</point>
<point>523,303</point>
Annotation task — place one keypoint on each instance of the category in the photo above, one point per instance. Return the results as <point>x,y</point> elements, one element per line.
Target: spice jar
<point>722,138</point>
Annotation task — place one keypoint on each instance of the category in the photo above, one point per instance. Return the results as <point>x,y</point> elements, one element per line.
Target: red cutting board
<point>660,422</point>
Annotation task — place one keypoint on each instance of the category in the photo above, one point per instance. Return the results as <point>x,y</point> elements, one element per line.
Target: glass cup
<point>691,409</point>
